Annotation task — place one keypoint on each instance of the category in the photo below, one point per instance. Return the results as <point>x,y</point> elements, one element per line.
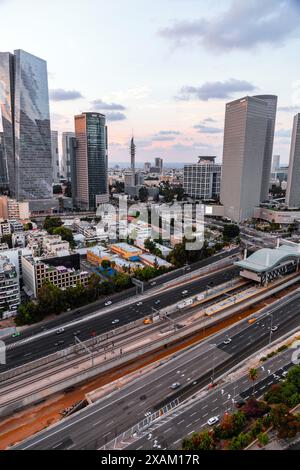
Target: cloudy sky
<point>162,68</point>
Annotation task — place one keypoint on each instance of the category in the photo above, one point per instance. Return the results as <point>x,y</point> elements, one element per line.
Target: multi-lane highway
<point>45,339</point>
<point>119,297</point>
<point>193,369</point>
<point>169,432</point>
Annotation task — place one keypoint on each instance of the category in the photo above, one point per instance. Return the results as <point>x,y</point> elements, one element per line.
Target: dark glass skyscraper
<point>91,160</point>
<point>24,103</point>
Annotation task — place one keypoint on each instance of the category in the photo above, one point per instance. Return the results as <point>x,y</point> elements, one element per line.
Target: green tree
<point>50,299</point>
<point>28,226</point>
<point>230,231</point>
<point>199,441</point>
<point>68,190</point>
<point>263,438</point>
<point>143,194</point>
<point>66,234</point>
<point>106,264</point>
<point>7,239</point>
<point>57,189</point>
<point>51,223</point>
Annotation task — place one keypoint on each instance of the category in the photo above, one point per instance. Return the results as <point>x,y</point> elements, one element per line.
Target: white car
<point>153,284</point>
<point>213,420</point>
<point>60,331</point>
<point>115,322</point>
<point>107,304</point>
<point>185,292</point>
<point>227,341</point>
<point>139,304</point>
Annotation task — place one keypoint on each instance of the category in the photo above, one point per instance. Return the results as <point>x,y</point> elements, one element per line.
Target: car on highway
<point>213,420</point>
<point>273,329</point>
<point>60,331</point>
<point>227,341</point>
<point>59,343</point>
<point>153,284</point>
<point>77,333</point>
<point>16,334</point>
<point>115,322</point>
<point>175,385</point>
<point>139,304</point>
<point>184,293</point>
<point>107,304</point>
<point>157,302</point>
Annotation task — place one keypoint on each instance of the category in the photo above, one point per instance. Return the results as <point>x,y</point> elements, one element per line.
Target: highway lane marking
<point>84,417</point>
<point>168,430</point>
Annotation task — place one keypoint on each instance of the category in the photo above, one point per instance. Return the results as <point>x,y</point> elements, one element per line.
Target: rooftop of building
<point>268,258</point>
<point>125,247</point>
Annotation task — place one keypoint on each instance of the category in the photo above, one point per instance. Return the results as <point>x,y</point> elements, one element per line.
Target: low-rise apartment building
<point>37,271</point>
<point>9,288</point>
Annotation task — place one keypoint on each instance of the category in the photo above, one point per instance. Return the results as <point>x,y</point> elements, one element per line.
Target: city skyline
<point>181,115</point>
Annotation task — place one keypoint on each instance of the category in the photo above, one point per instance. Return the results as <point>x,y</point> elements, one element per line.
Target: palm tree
<point>253,374</point>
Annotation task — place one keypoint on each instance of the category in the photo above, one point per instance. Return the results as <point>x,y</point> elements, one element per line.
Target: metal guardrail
<point>120,441</point>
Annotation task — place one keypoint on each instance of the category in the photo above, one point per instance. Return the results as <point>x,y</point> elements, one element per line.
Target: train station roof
<point>268,259</point>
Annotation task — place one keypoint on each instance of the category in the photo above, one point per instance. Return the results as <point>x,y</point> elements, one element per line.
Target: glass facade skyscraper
<point>25,113</point>
<point>246,124</point>
<point>91,160</point>
<point>293,186</point>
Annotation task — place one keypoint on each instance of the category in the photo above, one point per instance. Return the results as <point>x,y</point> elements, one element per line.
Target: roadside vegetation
<point>238,430</point>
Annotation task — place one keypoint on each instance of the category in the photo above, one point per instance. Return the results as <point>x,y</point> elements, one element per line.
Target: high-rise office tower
<point>26,125</point>
<point>3,166</point>
<point>246,123</point>
<point>65,163</point>
<point>132,160</point>
<point>293,186</point>
<point>275,163</point>
<point>271,101</point>
<point>147,166</point>
<point>55,156</point>
<point>159,163</point>
<point>91,160</point>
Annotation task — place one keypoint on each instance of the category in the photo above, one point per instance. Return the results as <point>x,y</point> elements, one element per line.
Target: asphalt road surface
<point>44,345</point>
<point>98,424</point>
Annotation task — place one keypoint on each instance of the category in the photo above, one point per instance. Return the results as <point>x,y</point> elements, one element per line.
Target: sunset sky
<point>162,68</point>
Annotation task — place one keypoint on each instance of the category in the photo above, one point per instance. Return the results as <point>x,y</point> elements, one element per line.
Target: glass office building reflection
<point>91,160</point>
<point>25,114</point>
